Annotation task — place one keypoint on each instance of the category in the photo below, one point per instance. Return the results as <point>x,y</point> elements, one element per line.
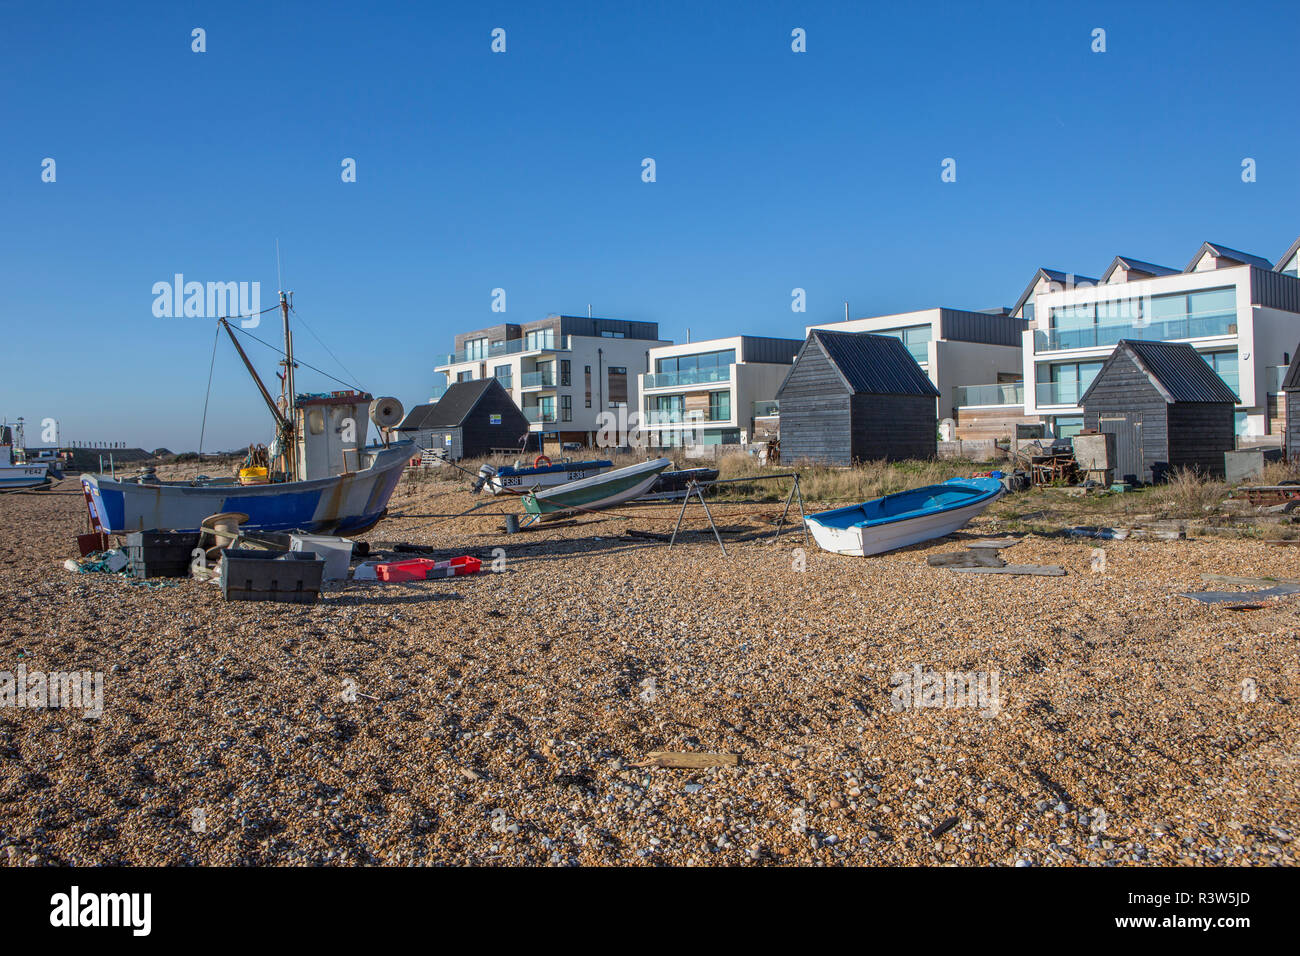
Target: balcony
<point>1000,393</point>
<point>537,414</point>
<point>437,392</point>
<point>769,409</point>
<point>691,376</point>
<point>1273,376</point>
<point>508,347</point>
<point>1195,326</point>
<point>1060,393</point>
<point>538,379</point>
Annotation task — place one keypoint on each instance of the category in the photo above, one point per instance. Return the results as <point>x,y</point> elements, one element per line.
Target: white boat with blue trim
<point>320,476</point>
<point>520,478</point>
<point>904,518</point>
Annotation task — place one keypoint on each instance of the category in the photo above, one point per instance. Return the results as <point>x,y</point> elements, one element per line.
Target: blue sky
<point>522,170</point>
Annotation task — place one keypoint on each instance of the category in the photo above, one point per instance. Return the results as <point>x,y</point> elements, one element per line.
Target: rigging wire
<point>297,361</point>
<point>321,341</point>
<point>216,340</point>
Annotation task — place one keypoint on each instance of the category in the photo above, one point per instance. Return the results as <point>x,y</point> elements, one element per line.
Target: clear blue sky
<point>522,170</point>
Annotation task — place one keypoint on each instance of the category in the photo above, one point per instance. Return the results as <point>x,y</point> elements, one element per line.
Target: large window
<point>565,371</point>
<point>566,408</point>
<point>539,339</point>
<point>617,385</point>
<point>1180,315</point>
<point>915,337</point>
<point>505,375</point>
<point>720,406</point>
<point>476,349</point>
<point>1063,382</point>
<point>665,408</point>
<point>1225,364</point>
<point>689,363</point>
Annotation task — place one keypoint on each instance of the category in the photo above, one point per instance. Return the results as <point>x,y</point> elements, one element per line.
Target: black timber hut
<point>1291,402</point>
<point>1166,408</point>
<point>471,420</point>
<point>855,396</point>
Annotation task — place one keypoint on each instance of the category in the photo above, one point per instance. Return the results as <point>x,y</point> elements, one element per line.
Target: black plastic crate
<point>160,554</point>
<point>293,577</point>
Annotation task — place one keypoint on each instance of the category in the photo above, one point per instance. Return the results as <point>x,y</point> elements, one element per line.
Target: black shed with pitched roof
<point>1291,400</point>
<point>855,396</point>
<point>1166,408</point>
<point>470,421</point>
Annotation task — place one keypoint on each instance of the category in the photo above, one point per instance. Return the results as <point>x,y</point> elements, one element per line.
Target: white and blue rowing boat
<point>904,518</point>
<point>517,478</point>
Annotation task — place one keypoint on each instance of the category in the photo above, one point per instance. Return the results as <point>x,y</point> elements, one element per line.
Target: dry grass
<point>830,485</point>
<point>1188,494</point>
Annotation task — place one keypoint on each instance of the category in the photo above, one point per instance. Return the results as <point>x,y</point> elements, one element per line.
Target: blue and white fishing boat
<point>21,474</point>
<point>18,468</point>
<point>520,478</point>
<point>320,476</point>
<point>904,518</point>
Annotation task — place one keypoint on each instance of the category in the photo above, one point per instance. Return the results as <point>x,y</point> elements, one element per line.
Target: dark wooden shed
<point>1166,408</point>
<point>1291,402</point>
<point>854,396</point>
<point>471,420</point>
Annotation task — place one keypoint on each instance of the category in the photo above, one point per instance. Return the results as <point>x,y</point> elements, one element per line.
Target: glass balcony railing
<point>508,347</point>
<point>1000,393</point>
<point>767,409</point>
<point>538,413</point>
<point>1274,376</point>
<point>437,392</point>
<point>1060,393</point>
<point>538,379</point>
<point>1091,336</point>
<point>691,376</point>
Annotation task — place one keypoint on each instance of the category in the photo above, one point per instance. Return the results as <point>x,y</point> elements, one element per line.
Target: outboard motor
<point>485,474</point>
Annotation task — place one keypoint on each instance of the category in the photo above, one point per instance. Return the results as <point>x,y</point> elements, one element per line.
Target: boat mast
<point>291,394</point>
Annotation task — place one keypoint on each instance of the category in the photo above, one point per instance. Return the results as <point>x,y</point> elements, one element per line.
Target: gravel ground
<point>496,717</point>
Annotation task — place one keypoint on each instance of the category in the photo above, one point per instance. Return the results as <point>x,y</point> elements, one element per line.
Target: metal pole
<point>681,514</point>
<point>707,513</point>
<point>802,513</point>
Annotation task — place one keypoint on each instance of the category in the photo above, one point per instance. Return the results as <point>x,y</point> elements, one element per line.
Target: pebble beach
<point>498,719</point>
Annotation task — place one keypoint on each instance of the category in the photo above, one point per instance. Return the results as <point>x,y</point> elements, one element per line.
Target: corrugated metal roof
<point>1226,252</point>
<point>1176,369</point>
<point>1291,382</point>
<point>989,328</point>
<point>1137,265</point>
<point>875,364</point>
<point>450,410</point>
<point>1067,280</point>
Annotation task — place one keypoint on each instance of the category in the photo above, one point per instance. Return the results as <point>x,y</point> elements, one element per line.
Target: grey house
<point>1166,408</point>
<point>854,396</point>
<point>471,420</point>
<point>1291,400</point>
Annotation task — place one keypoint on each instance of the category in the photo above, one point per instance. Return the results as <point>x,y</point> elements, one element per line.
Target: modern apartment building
<point>723,390</point>
<point>562,371</point>
<point>973,358</point>
<point>1239,312</point>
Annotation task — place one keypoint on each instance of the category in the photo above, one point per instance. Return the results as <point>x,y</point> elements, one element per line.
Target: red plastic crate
<point>414,569</point>
<point>421,569</point>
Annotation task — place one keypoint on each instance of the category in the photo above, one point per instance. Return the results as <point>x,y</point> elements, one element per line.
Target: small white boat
<point>904,518</point>
<point>594,494</point>
<point>21,474</point>
<point>519,478</point>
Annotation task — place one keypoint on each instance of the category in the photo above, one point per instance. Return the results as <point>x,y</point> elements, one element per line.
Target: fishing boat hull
<point>903,519</point>
<point>23,476</point>
<point>510,480</point>
<point>339,504</point>
<point>595,494</point>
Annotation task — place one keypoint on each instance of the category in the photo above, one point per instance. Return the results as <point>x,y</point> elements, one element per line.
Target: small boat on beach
<point>519,478</point>
<point>317,476</point>
<point>18,469</point>
<point>904,518</point>
<point>595,493</point>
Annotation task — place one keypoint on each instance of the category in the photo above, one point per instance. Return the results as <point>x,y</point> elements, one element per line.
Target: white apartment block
<point>716,392</point>
<point>973,358</point>
<point>1236,309</point>
<point>562,371</point>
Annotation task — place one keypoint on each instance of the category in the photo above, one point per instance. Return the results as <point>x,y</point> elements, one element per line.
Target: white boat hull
<point>890,536</point>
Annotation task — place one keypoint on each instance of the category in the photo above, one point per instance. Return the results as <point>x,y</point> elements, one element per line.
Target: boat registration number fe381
<point>518,481</point>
